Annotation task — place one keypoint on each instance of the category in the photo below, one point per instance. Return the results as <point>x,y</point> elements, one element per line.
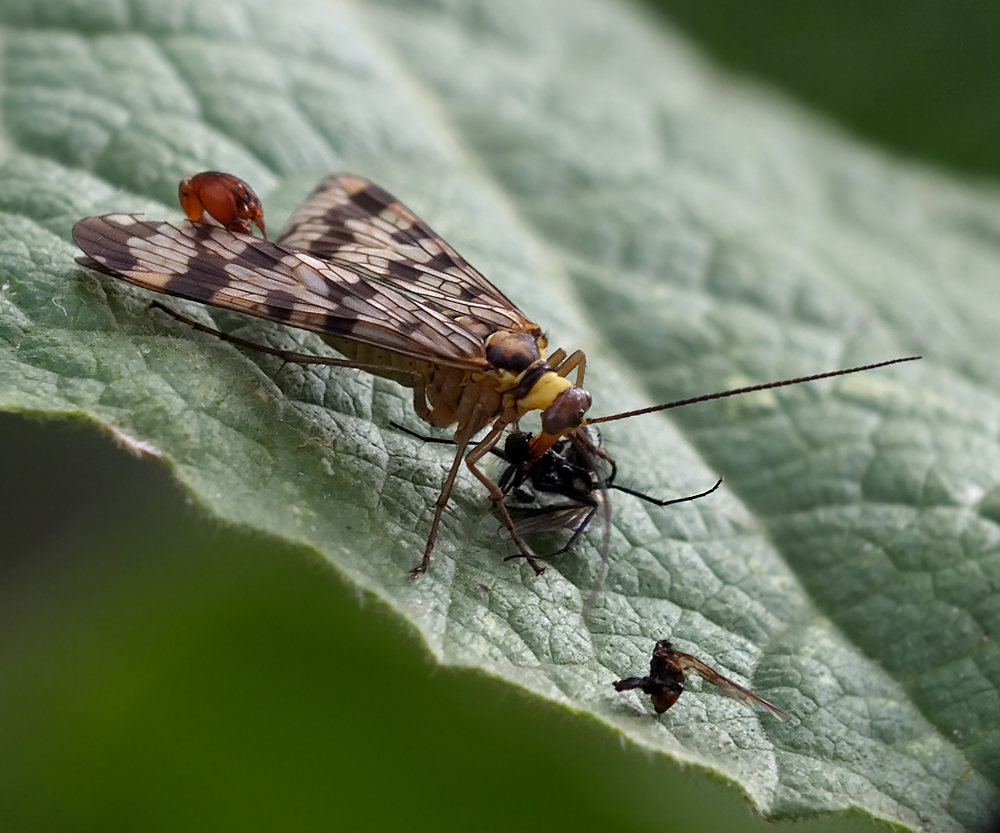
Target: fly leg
<point>462,439</point>
<point>564,366</point>
<point>496,493</point>
<point>288,356</point>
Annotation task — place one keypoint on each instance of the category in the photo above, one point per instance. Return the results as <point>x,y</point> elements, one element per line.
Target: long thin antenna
<point>751,389</point>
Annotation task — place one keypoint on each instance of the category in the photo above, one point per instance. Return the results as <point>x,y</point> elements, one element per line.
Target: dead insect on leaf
<point>668,671</point>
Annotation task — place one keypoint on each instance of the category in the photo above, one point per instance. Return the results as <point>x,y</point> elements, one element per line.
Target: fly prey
<point>574,469</point>
<point>378,285</point>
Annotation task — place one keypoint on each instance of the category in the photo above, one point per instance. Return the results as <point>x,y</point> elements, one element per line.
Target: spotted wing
<point>688,663</point>
<point>351,221</point>
<point>207,263</point>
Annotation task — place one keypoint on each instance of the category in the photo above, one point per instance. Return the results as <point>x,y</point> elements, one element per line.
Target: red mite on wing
<point>376,283</point>
<point>227,199</point>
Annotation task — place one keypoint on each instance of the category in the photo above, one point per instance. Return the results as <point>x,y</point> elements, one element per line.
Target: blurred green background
<point>159,673</point>
<point>917,77</point>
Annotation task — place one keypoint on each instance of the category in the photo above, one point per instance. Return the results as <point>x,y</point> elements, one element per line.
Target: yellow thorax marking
<point>549,385</point>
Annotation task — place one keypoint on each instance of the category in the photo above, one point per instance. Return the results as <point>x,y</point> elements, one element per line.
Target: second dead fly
<point>668,671</point>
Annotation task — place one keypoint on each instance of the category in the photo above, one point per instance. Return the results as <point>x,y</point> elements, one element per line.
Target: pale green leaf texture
<point>690,234</point>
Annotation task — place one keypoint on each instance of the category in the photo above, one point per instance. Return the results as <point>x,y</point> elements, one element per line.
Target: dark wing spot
<point>409,327</point>
<point>182,286</point>
<point>368,201</point>
<point>280,305</point>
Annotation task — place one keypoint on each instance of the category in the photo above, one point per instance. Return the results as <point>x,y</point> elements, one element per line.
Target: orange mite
<point>223,197</point>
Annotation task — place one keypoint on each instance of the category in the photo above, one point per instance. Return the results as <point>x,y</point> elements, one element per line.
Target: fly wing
<point>687,663</point>
<point>235,271</point>
<point>588,447</point>
<point>351,221</point>
<point>548,518</point>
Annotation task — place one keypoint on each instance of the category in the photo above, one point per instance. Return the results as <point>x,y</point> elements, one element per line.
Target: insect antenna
<point>750,389</point>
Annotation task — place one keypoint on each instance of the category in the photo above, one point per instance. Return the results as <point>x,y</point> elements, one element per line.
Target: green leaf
<point>691,235</point>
